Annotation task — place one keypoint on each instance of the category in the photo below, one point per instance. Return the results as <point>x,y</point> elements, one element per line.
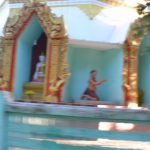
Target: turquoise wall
<point>23,54</point>
<point>144,69</point>
<point>3,122</point>
<point>109,65</point>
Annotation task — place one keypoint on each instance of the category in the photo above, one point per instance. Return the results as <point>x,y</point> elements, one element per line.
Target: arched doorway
<point>20,33</point>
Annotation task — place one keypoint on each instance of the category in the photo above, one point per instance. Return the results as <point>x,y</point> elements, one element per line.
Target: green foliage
<point>144,22</point>
<point>141,7</point>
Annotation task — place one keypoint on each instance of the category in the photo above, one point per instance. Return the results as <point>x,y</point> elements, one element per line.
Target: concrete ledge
<point>99,112</point>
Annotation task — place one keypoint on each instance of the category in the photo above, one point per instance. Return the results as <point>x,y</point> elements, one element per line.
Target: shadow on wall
<point>109,65</point>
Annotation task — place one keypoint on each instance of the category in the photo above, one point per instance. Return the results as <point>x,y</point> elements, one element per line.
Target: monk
<point>90,92</point>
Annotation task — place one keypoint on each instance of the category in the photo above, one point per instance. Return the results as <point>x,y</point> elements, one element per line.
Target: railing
<point>28,126</point>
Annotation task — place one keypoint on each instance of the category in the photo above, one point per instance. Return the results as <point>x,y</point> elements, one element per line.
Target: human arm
<point>97,82</point>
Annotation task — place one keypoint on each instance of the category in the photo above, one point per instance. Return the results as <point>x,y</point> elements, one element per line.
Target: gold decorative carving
<point>34,1</point>
<point>3,84</point>
<point>8,46</point>
<point>33,91</point>
<point>58,67</point>
<point>52,25</point>
<point>55,90</point>
<point>56,63</point>
<point>130,72</point>
<point>3,77</point>
<point>1,54</point>
<point>90,10</point>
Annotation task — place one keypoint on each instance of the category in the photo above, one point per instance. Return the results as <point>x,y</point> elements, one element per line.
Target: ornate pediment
<point>52,25</point>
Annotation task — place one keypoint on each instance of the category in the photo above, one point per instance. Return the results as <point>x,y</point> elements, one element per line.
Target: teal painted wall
<point>23,54</point>
<point>144,69</point>
<point>3,122</point>
<point>109,65</point>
